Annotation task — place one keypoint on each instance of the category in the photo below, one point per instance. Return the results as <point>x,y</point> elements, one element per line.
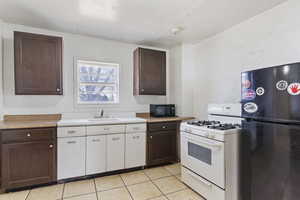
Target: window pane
<point>97,93</point>
<point>98,82</point>
<point>97,74</point>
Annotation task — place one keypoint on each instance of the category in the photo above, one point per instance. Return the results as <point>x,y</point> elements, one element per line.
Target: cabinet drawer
<point>133,128</point>
<point>162,126</point>
<point>208,190</point>
<point>98,130</point>
<point>71,131</point>
<point>25,135</point>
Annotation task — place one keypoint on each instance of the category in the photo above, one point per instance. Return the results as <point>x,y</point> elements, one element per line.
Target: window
<point>98,82</point>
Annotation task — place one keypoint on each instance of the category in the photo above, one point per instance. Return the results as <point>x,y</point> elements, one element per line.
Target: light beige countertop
<point>29,121</point>
<point>161,119</point>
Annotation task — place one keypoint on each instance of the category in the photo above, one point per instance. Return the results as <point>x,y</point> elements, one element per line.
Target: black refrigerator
<point>270,139</point>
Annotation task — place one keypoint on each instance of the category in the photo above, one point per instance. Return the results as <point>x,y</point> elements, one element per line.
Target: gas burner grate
<point>204,123</point>
<point>224,126</point>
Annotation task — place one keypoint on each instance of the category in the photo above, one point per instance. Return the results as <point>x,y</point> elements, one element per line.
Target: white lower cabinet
<point>135,150</point>
<point>71,157</point>
<point>96,154</point>
<point>115,152</point>
<point>96,149</point>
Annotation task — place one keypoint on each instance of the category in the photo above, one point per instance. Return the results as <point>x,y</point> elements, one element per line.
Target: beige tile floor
<point>160,183</point>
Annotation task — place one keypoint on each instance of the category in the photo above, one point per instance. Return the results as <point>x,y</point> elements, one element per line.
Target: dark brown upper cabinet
<point>149,72</point>
<point>38,64</point>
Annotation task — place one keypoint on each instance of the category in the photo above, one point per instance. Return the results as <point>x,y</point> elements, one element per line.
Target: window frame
<point>78,82</point>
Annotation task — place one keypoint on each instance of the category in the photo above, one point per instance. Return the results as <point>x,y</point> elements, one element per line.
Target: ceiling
<point>147,22</point>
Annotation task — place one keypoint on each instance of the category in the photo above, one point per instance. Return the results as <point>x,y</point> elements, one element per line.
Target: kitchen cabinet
<point>100,148</point>
<point>115,152</point>
<point>105,129</point>
<point>149,72</point>
<point>71,131</point>
<point>71,157</point>
<point>96,154</point>
<point>161,143</point>
<point>28,157</point>
<point>38,64</point>
<point>135,154</point>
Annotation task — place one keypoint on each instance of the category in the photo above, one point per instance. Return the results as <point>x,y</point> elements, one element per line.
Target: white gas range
<point>209,153</point>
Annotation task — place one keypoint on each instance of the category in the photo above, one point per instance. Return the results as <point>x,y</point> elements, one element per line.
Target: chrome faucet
<point>100,113</point>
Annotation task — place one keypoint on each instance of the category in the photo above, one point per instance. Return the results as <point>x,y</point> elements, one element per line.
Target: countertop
<point>29,121</point>
<point>27,124</point>
<point>48,121</point>
<point>165,119</point>
<point>101,121</point>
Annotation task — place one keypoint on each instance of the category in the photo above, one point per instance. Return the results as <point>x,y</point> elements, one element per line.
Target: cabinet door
<point>150,72</point>
<point>71,157</point>
<point>29,163</point>
<point>38,64</point>
<point>115,152</point>
<point>135,150</point>
<point>96,154</point>
<point>161,147</point>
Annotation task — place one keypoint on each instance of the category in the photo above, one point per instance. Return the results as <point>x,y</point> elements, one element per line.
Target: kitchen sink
<point>103,120</point>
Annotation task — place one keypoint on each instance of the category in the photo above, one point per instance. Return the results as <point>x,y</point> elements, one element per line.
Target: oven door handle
<point>208,144</point>
<point>197,178</point>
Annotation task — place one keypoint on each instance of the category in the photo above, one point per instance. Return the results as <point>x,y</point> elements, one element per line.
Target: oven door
<point>204,157</point>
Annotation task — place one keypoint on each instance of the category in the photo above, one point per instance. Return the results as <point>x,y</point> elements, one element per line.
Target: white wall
<point>182,76</point>
<point>1,88</point>
<point>175,78</point>
<point>73,46</point>
<point>269,39</point>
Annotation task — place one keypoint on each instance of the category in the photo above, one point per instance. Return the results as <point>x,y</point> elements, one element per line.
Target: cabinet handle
<point>96,140</point>
<point>151,137</point>
<point>71,142</point>
<point>142,90</point>
<point>58,89</point>
<point>71,132</point>
<point>164,127</point>
<point>115,139</point>
<point>136,128</point>
<point>51,146</point>
<point>106,129</point>
<point>136,137</point>
<point>28,134</point>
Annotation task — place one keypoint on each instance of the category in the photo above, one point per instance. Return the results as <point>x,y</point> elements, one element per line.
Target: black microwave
<point>162,110</point>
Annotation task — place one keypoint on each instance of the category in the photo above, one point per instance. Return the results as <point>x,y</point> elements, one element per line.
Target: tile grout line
<point>126,188</point>
<point>63,191</point>
<point>172,175</point>
<point>27,194</point>
<point>78,195</point>
<point>96,189</point>
<point>155,186</point>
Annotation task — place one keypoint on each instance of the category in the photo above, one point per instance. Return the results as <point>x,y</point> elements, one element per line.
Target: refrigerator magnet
<point>294,89</point>
<point>246,84</point>
<point>250,107</point>
<point>282,85</point>
<point>248,94</point>
<point>260,91</point>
